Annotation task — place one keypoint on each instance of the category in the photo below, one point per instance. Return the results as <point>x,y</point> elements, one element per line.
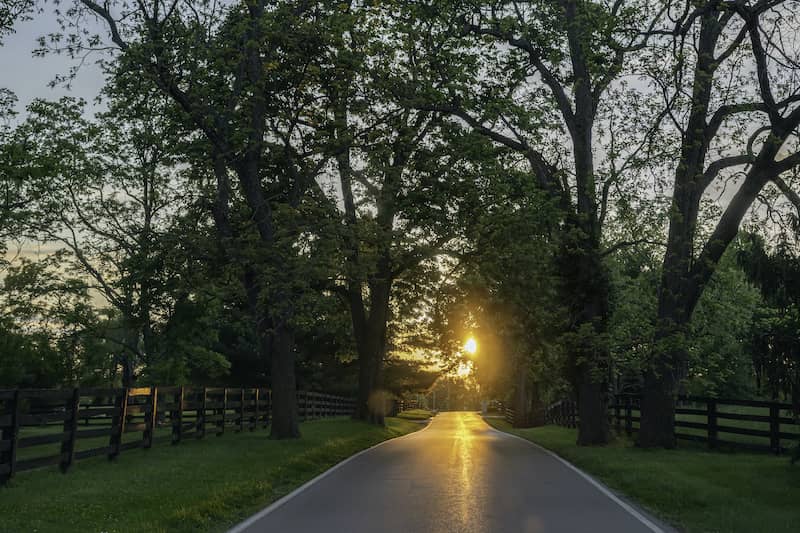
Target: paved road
<point>456,476</point>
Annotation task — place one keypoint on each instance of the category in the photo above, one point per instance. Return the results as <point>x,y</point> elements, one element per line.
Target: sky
<point>28,76</point>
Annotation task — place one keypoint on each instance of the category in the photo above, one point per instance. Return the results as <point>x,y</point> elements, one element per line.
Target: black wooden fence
<point>562,413</point>
<point>509,415</point>
<point>751,424</point>
<point>40,427</point>
<point>748,424</point>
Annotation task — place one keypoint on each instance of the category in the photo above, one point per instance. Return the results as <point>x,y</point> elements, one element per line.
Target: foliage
<point>318,195</point>
<point>773,338</point>
<point>718,342</point>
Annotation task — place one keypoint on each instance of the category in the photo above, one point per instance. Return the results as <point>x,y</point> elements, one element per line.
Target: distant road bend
<point>456,476</point>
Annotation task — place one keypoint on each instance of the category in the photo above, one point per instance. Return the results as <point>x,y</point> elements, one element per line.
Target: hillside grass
<point>200,485</point>
<point>694,489</point>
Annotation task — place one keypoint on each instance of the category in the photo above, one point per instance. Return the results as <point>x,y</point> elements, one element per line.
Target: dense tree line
<point>297,193</point>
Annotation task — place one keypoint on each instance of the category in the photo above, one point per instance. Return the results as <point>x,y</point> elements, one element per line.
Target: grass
<point>691,488</point>
<point>416,414</point>
<point>200,485</point>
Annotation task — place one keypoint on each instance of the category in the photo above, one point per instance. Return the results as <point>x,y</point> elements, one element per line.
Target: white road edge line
<point>242,526</point>
<point>599,486</point>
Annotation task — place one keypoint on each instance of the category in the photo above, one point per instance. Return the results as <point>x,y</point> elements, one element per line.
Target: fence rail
<point>41,427</point>
<point>748,424</point>
<point>562,413</point>
<point>509,415</point>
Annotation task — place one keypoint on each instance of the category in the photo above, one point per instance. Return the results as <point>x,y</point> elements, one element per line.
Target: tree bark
<point>372,351</point>
<point>522,397</point>
<point>586,292</point>
<point>284,386</point>
<point>592,376</point>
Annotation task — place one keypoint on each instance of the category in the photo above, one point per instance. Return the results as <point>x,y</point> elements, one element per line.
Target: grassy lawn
<point>416,414</point>
<point>693,489</point>
<point>200,485</point>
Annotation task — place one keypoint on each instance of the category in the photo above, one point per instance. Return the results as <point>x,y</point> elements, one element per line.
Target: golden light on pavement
<point>471,346</point>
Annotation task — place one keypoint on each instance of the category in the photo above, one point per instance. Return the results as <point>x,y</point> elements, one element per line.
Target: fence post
<point>150,421</point>
<point>774,428</point>
<point>177,419</point>
<point>268,410</point>
<point>573,413</point>
<point>314,405</point>
<point>628,417</point>
<point>121,403</point>
<point>8,459</point>
<point>711,405</point>
<point>71,427</point>
<point>256,413</point>
<point>201,415</point>
<point>221,423</point>
<point>617,417</point>
<point>241,410</point>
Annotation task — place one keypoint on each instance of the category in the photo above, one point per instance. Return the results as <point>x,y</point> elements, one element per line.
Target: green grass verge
<point>691,488</point>
<point>416,414</point>
<point>200,485</point>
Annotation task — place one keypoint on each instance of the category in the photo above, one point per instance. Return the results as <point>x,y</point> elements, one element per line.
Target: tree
<point>731,103</point>
<point>108,197</point>
<point>512,311</point>
<point>49,326</point>
<point>717,339</point>
<point>543,77</point>
<point>10,12</point>
<point>396,174</point>
<point>773,342</point>
<point>236,75</point>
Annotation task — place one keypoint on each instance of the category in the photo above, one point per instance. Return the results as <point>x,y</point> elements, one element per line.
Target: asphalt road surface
<point>457,475</point>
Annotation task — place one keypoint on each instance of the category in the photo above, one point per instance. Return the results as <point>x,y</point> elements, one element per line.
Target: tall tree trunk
<point>657,427</point>
<point>587,291</point>
<point>372,351</point>
<point>670,355</point>
<point>284,385</point>
<point>592,356</point>
<point>522,395</point>
<point>365,381</point>
<point>675,296</point>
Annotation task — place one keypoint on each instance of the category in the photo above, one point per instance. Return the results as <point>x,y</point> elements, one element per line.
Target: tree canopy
<point>337,195</point>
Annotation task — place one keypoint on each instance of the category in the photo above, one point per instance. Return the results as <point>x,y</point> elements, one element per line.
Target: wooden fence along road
<point>40,427</point>
<point>749,424</point>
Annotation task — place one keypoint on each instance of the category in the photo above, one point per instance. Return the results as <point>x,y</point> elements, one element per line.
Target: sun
<point>471,346</point>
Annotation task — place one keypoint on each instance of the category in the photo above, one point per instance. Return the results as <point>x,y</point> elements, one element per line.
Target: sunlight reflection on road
<point>456,476</point>
<point>465,471</point>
